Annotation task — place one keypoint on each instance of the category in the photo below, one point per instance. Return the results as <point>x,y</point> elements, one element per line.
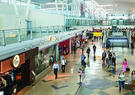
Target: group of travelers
<point>122,77</point>
<point>83,57</point>
<point>55,66</point>
<point>88,50</point>
<point>109,58</point>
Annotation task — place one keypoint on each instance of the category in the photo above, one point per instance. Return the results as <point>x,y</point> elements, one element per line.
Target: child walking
<point>80,74</point>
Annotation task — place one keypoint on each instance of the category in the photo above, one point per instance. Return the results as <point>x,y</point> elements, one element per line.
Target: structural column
<point>104,34</point>
<point>15,7</point>
<point>27,9</point>
<point>70,45</point>
<point>130,40</point>
<point>57,52</point>
<point>56,4</point>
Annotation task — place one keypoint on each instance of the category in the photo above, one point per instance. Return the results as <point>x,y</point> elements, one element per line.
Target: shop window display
<point>65,49</point>
<point>73,44</point>
<point>42,59</point>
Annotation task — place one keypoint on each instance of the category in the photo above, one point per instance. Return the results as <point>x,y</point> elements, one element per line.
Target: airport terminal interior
<point>67,47</point>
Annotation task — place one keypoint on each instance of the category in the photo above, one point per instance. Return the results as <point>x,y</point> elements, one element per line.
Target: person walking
<point>110,57</point>
<point>92,40</point>
<point>51,61</point>
<point>88,52</point>
<point>108,44</point>
<point>121,80</point>
<point>80,74</point>
<point>74,47</point>
<point>56,69</point>
<point>83,60</point>
<point>82,48</point>
<point>63,63</point>
<point>124,65</point>
<point>114,60</point>
<point>104,56</point>
<point>107,62</point>
<point>94,49</point>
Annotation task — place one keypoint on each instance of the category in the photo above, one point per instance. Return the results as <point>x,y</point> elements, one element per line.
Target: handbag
<point>127,69</point>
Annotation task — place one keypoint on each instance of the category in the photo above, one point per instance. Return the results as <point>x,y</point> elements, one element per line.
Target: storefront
<point>20,68</point>
<point>43,57</point>
<point>64,48</point>
<point>84,37</point>
<point>73,44</point>
<point>79,41</point>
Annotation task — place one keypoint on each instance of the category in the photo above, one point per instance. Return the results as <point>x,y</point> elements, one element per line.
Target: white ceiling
<point>118,6</point>
<point>112,6</point>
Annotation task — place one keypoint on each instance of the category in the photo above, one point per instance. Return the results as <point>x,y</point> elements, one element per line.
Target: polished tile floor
<point>97,80</point>
<point>100,81</point>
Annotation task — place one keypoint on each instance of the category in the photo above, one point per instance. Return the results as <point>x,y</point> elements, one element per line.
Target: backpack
<point>127,69</point>
<point>110,54</point>
<point>94,47</point>
<point>83,57</point>
<point>104,54</point>
<point>88,50</point>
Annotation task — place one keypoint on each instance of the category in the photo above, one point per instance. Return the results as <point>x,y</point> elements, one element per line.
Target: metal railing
<point>88,22</point>
<point>118,31</point>
<point>11,36</point>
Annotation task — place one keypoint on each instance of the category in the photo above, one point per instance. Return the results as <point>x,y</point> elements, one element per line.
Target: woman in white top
<point>63,63</point>
<point>56,69</point>
<point>121,80</point>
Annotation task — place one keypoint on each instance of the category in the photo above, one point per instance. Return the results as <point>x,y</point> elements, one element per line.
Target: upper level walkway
<point>17,41</point>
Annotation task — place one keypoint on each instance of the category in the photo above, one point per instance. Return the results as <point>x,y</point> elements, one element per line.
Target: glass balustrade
<point>11,36</point>
<point>24,34</point>
<point>0,38</point>
<point>87,22</point>
<point>18,35</point>
<point>35,33</point>
<point>44,31</point>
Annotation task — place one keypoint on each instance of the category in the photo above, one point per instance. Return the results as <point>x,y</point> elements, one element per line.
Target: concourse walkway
<point>66,84</point>
<point>96,79</point>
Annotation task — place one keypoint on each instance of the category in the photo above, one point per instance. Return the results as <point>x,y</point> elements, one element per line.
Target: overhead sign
<point>97,33</point>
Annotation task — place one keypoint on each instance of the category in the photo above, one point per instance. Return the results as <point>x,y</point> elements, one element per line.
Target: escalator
<point>118,41</point>
<point>118,37</point>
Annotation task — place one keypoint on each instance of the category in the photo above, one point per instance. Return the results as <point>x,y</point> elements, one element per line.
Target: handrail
<point>11,36</point>
<point>34,27</point>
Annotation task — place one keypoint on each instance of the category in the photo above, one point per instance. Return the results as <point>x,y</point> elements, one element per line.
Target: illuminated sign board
<point>97,33</point>
<point>52,38</point>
